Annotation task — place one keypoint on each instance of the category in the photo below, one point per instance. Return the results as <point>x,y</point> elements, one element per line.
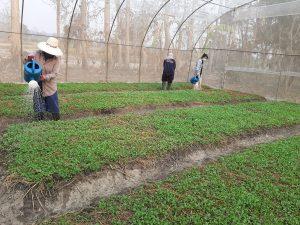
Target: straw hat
<point>51,47</point>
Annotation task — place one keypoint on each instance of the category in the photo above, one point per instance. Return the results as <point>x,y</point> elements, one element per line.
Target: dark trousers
<point>46,104</point>
<point>167,80</point>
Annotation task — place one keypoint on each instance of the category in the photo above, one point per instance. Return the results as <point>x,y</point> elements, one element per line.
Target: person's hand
<point>43,77</point>
<point>30,57</point>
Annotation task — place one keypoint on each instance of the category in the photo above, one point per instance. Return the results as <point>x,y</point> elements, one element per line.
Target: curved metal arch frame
<point>213,3</point>
<point>114,20</point>
<point>148,28</point>
<point>186,19</point>
<point>152,20</point>
<point>68,37</point>
<point>205,3</point>
<point>209,25</point>
<point>108,39</point>
<point>179,28</point>
<point>144,38</point>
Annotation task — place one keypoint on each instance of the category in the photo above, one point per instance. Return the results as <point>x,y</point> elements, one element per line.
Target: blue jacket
<point>169,68</point>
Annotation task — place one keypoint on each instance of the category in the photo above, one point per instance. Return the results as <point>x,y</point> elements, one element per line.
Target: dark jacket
<point>169,69</point>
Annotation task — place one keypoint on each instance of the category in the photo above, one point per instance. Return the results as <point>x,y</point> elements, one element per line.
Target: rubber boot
<point>55,116</point>
<point>164,84</point>
<point>169,86</point>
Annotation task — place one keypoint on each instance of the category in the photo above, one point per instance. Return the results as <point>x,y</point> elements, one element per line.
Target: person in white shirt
<point>198,71</point>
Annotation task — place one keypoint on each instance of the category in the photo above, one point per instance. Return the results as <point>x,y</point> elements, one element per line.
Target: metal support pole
<point>140,63</point>
<point>227,54</point>
<point>21,40</point>
<point>107,55</point>
<point>279,78</point>
<point>189,72</point>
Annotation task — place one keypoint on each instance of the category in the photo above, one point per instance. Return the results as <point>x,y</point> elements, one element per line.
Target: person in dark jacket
<point>168,72</point>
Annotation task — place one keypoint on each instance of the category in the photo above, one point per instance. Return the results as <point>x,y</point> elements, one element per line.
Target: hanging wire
<point>150,47</point>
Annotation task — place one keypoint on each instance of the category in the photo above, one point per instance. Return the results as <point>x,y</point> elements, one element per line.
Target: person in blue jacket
<point>168,72</point>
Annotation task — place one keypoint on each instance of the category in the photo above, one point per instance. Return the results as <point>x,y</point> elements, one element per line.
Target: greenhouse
<point>253,45</point>
<point>149,112</point>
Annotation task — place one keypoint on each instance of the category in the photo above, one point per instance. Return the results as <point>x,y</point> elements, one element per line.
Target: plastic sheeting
<point>127,40</point>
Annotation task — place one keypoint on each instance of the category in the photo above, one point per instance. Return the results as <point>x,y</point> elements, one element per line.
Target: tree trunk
<point>190,34</point>
<point>83,25</point>
<point>167,31</point>
<point>179,44</point>
<point>58,19</point>
<point>128,8</point>
<point>15,36</point>
<point>106,19</point>
<point>118,23</point>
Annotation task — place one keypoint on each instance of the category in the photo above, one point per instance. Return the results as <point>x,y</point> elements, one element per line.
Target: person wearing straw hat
<point>48,57</point>
<point>168,71</point>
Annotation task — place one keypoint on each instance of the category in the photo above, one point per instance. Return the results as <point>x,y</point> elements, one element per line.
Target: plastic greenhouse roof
<point>146,18</point>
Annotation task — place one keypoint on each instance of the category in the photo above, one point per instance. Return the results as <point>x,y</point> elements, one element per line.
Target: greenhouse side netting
<point>254,45</point>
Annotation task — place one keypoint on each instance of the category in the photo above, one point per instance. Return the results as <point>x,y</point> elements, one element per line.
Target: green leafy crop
<point>19,106</point>
<point>45,151</point>
<point>71,88</point>
<point>258,186</point>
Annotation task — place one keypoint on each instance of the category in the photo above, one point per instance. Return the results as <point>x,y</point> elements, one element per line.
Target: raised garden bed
<point>72,104</point>
<point>52,151</point>
<point>258,186</point>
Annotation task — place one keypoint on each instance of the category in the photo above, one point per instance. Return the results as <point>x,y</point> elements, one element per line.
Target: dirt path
<point>86,190</point>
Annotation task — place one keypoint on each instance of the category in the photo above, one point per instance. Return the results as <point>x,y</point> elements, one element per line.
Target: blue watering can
<point>195,79</point>
<point>32,71</point>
